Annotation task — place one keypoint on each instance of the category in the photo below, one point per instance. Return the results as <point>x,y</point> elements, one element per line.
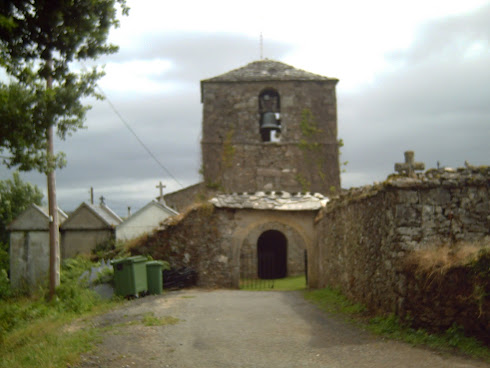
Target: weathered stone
<point>236,156</point>
<point>364,234</point>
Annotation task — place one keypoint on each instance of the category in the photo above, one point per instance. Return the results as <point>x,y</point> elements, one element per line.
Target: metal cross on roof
<point>409,166</point>
<point>161,186</point>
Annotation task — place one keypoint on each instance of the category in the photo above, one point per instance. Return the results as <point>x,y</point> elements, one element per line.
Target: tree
<point>15,196</point>
<point>39,39</point>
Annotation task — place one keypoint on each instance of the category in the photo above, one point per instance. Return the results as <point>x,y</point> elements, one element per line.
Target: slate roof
<point>62,216</point>
<point>108,217</point>
<point>267,70</point>
<point>282,201</point>
<point>105,213</point>
<point>22,223</point>
<point>158,204</point>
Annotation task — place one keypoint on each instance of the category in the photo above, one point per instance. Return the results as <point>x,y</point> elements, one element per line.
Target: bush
<point>5,290</point>
<point>4,257</point>
<point>108,249</point>
<point>72,297</point>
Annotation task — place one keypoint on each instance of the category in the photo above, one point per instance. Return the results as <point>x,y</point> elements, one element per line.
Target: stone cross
<point>409,166</point>
<point>161,186</point>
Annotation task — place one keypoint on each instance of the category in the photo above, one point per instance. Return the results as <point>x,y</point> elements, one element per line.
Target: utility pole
<point>54,236</point>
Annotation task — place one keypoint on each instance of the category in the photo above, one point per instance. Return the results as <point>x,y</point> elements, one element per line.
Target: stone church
<point>270,155</point>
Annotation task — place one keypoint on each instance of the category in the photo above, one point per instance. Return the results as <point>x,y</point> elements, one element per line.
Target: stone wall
<point>195,239</point>
<point>215,241</point>
<point>364,236</point>
<point>234,156</point>
<point>183,198</point>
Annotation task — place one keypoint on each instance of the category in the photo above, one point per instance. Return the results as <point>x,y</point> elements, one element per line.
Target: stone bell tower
<point>269,126</point>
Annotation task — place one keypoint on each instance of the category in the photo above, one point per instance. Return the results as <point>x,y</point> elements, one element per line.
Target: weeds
<point>439,260</point>
<point>452,340</point>
<point>31,328</point>
<point>149,319</point>
<point>285,284</point>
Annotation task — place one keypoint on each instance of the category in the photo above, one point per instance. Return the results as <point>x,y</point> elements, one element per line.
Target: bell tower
<point>269,126</point>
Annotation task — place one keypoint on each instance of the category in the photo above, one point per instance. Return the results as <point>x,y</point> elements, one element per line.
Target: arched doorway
<point>272,255</point>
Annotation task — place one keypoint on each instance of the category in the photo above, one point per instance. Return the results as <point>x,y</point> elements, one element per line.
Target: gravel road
<point>231,328</point>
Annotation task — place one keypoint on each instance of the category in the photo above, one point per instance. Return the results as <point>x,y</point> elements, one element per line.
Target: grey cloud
<point>200,55</point>
<point>435,105</point>
<point>448,37</point>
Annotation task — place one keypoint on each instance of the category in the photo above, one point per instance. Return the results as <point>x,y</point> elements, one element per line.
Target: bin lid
<point>154,263</point>
<point>134,259</point>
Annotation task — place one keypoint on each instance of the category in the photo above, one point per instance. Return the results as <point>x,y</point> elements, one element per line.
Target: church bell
<point>269,121</point>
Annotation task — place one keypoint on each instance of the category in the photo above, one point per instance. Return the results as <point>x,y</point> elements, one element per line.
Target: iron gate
<point>255,274</point>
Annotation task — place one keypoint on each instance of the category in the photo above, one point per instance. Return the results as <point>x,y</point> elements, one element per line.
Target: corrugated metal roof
<point>264,70</point>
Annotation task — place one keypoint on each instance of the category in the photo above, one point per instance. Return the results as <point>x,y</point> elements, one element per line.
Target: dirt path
<point>227,328</point>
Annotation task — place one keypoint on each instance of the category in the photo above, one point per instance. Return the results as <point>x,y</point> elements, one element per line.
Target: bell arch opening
<point>272,255</point>
<point>270,115</point>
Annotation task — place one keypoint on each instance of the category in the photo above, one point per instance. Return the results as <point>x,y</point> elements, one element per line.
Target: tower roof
<point>267,70</point>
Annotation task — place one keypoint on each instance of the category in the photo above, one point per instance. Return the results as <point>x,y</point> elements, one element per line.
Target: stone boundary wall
<point>364,235</point>
<point>197,239</point>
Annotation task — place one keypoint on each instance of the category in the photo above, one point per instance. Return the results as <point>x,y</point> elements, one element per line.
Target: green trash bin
<point>130,275</point>
<point>154,275</point>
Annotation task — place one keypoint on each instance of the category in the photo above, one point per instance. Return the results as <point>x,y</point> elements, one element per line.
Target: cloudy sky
<point>413,75</point>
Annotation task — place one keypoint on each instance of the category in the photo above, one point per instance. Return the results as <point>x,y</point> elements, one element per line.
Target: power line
<point>137,138</point>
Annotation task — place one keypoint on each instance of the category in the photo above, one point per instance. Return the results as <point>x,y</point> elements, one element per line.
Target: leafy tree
<point>38,41</point>
<point>15,196</point>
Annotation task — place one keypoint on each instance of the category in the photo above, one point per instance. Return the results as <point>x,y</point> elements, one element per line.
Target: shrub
<point>4,284</point>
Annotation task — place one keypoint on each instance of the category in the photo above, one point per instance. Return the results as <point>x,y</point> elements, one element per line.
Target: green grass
<point>46,344</point>
<point>149,319</point>
<point>35,332</point>
<point>453,340</point>
<point>284,284</point>
<point>333,301</point>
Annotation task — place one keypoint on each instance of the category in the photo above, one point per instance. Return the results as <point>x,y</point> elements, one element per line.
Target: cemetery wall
<point>218,242</point>
<point>364,236</point>
<point>194,239</point>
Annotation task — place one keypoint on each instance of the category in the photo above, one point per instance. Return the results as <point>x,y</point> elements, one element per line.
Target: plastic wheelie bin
<point>130,275</point>
<point>154,275</point>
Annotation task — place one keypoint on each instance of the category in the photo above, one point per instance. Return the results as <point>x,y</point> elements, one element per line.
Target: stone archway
<point>246,248</point>
<point>272,255</point>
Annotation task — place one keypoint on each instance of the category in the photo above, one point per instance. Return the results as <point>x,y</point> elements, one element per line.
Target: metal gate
<point>251,268</point>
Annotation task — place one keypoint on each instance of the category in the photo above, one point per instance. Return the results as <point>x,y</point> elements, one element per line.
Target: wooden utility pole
<point>54,236</point>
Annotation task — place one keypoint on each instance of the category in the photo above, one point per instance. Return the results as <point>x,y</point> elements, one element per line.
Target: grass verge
<point>149,319</point>
<point>35,332</point>
<point>284,284</point>
<point>453,340</point>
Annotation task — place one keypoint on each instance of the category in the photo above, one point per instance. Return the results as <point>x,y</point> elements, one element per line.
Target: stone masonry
<point>363,237</point>
<point>236,159</point>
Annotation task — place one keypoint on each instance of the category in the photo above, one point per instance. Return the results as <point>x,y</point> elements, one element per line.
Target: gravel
<point>231,328</point>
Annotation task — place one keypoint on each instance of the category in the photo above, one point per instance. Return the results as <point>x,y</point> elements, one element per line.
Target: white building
<point>144,221</point>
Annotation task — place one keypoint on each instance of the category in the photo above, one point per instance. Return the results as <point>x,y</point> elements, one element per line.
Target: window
<point>270,115</point>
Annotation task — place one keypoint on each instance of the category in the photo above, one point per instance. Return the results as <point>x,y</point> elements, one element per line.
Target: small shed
<point>88,226</point>
<point>29,246</point>
<point>144,221</point>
